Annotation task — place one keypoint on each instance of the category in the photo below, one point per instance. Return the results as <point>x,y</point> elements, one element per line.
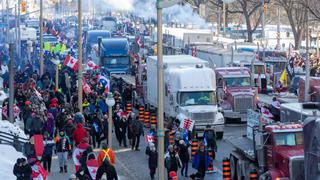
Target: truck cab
<point>234,92</point>
<point>284,152</point>
<point>114,55</point>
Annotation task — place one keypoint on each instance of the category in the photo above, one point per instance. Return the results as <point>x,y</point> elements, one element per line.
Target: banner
<point>187,124</point>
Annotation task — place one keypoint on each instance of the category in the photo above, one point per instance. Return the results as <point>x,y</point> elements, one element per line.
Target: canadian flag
<point>77,153</point>
<point>71,62</point>
<point>150,138</point>
<point>93,166</point>
<point>38,172</point>
<point>91,65</point>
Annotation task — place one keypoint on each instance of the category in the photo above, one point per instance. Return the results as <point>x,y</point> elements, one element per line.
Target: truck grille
<point>242,103</point>
<point>203,117</point>
<point>297,168</point>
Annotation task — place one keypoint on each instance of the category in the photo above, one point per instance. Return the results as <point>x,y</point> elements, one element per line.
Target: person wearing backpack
<point>210,138</point>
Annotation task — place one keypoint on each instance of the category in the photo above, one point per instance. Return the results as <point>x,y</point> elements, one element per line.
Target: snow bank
<point>8,158</point>
<point>13,129</point>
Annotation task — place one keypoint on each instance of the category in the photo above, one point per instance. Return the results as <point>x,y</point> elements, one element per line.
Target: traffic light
<point>23,9</point>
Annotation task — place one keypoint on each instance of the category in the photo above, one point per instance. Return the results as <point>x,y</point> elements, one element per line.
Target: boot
<point>65,169</point>
<point>61,170</point>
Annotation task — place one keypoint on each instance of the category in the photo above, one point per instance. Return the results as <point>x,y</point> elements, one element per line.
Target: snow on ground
<point>8,158</point>
<point>13,129</point>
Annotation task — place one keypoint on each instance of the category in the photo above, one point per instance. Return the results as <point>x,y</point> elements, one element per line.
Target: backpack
<point>210,135</point>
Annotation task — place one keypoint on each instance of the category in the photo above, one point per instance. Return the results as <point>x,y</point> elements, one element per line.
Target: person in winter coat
<point>47,153</point>
<point>123,124</point>
<point>96,129</point>
<point>36,125</point>
<point>105,128</point>
<point>107,168</point>
<point>172,161</point>
<point>200,162</point>
<point>153,159</point>
<point>22,169</point>
<point>84,156</point>
<point>106,153</point>
<point>63,147</point>
<point>137,131</point>
<point>184,157</point>
<point>210,138</point>
<point>79,133</point>
<point>130,118</point>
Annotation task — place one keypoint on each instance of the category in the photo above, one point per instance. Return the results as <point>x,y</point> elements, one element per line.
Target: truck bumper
<point>234,115</point>
<point>201,127</point>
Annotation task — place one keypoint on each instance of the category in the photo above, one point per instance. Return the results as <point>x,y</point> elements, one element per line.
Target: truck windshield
<point>288,139</point>
<point>114,61</point>
<point>197,98</point>
<point>237,82</point>
<point>257,69</point>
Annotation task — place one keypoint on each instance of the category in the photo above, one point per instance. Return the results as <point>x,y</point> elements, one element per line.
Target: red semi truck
<point>275,151</point>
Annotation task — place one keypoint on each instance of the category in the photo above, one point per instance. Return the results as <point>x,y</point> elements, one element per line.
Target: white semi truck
<point>189,91</point>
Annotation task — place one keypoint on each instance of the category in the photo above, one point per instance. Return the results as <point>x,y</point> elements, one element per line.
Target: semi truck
<point>189,91</point>
<point>234,92</point>
<point>273,150</point>
<point>114,55</point>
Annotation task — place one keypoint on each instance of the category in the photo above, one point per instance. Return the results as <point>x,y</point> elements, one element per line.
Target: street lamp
<point>110,102</point>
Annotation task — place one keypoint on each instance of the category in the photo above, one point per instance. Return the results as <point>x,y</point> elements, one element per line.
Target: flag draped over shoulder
<point>105,82</point>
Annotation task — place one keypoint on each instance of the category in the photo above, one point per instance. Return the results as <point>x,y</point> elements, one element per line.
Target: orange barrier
<point>171,141</point>
<point>254,175</point>
<point>226,169</point>
<point>194,147</point>
<point>153,121</point>
<point>147,119</point>
<point>141,114</point>
<point>129,108</point>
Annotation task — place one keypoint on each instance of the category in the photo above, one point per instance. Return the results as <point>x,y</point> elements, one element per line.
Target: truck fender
<point>271,175</point>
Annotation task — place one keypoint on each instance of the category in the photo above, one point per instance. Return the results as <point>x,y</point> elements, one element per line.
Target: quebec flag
<point>105,82</point>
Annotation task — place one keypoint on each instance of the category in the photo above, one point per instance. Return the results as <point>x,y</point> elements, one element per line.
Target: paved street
<point>133,165</point>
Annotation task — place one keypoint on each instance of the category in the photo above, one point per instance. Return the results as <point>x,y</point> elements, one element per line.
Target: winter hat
<point>27,103</point>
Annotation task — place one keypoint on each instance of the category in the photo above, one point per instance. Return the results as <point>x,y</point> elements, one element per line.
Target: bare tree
<point>296,11</point>
<point>249,9</point>
<point>314,8</point>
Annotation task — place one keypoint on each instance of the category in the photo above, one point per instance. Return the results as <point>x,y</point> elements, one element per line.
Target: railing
<point>13,140</point>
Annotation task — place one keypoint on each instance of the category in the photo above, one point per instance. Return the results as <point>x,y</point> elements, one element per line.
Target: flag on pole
<point>283,78</point>
<point>71,62</point>
<point>91,65</point>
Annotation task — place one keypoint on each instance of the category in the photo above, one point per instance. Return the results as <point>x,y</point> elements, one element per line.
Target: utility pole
<point>16,27</point>
<point>41,39</point>
<point>219,21</point>
<point>224,19</point>
<point>7,14</point>
<point>11,85</point>
<point>263,32</point>
<point>318,38</point>
<point>278,30</point>
<point>80,55</point>
<point>160,96</point>
<point>307,62</point>
<point>19,31</point>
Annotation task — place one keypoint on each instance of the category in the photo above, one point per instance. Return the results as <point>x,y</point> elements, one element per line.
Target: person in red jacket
<point>79,133</point>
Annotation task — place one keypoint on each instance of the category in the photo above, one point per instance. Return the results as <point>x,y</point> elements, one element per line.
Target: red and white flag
<point>139,41</point>
<point>38,172</point>
<point>93,166</point>
<point>150,138</point>
<point>91,65</point>
<point>71,62</point>
<point>187,124</point>
<point>77,153</point>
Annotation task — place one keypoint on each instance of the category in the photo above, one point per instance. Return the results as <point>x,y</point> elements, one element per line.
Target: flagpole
<point>80,83</point>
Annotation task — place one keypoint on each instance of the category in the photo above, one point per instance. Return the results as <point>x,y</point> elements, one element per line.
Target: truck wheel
<point>233,166</point>
<point>219,135</point>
